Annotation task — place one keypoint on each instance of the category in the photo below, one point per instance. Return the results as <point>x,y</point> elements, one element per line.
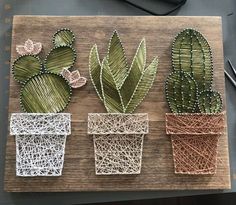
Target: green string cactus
<point>192,54</point>
<point>209,102</point>
<point>180,101</point>
<point>46,87</point>
<point>119,87</point>
<point>189,86</point>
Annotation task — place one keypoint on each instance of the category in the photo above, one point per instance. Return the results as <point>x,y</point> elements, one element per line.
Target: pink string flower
<point>74,78</point>
<point>29,48</point>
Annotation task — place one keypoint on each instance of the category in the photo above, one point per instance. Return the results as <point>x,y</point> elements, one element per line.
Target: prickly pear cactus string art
<point>197,121</point>
<point>118,135</point>
<point>53,91</point>
<point>46,89</point>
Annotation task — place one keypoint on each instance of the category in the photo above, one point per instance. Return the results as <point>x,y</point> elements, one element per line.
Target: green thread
<point>26,66</point>
<point>95,70</point>
<point>125,88</point>
<point>45,93</point>
<point>192,64</point>
<point>60,57</point>
<point>45,90</point>
<point>63,37</point>
<point>210,102</point>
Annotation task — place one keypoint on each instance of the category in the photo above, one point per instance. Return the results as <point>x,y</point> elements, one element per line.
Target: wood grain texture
<point>157,166</point>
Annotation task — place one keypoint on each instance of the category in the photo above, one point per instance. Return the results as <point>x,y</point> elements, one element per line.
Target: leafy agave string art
<point>118,135</point>
<point>121,88</point>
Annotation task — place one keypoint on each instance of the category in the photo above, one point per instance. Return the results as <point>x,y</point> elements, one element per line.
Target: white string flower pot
<point>118,141</point>
<point>40,142</point>
<point>194,139</point>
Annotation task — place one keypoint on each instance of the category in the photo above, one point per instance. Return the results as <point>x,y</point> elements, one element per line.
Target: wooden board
<point>157,166</point>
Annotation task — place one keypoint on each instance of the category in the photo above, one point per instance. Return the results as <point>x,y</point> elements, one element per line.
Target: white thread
<point>117,123</point>
<point>118,141</point>
<point>40,155</point>
<point>40,142</point>
<point>40,123</point>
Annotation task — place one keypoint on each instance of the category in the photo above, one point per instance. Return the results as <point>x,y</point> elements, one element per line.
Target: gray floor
<point>8,8</point>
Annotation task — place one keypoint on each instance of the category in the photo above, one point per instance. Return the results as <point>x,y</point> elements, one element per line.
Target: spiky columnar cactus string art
<point>196,108</point>
<point>118,134</point>
<point>46,90</point>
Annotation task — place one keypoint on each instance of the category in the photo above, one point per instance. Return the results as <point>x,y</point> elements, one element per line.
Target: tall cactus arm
<point>181,92</point>
<point>191,53</point>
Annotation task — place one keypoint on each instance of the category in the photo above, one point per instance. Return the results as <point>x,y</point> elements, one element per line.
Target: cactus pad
<point>25,67</point>
<point>59,58</point>
<point>63,37</point>
<point>45,93</point>
<point>191,53</point>
<point>210,102</point>
<point>47,87</point>
<point>181,92</point>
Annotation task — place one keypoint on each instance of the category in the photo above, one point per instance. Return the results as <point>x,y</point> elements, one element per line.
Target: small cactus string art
<point>118,135</point>
<point>189,86</point>
<point>46,85</point>
<point>121,88</point>
<point>196,121</point>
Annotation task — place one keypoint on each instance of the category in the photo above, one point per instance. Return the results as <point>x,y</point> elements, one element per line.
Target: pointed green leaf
<point>111,95</point>
<point>59,58</point>
<point>95,70</point>
<point>143,86</point>
<point>117,60</point>
<point>135,72</point>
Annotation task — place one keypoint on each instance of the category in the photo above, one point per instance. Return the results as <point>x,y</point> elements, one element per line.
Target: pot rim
<point>40,125</point>
<point>203,114</point>
<point>105,131</point>
<point>181,127</point>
